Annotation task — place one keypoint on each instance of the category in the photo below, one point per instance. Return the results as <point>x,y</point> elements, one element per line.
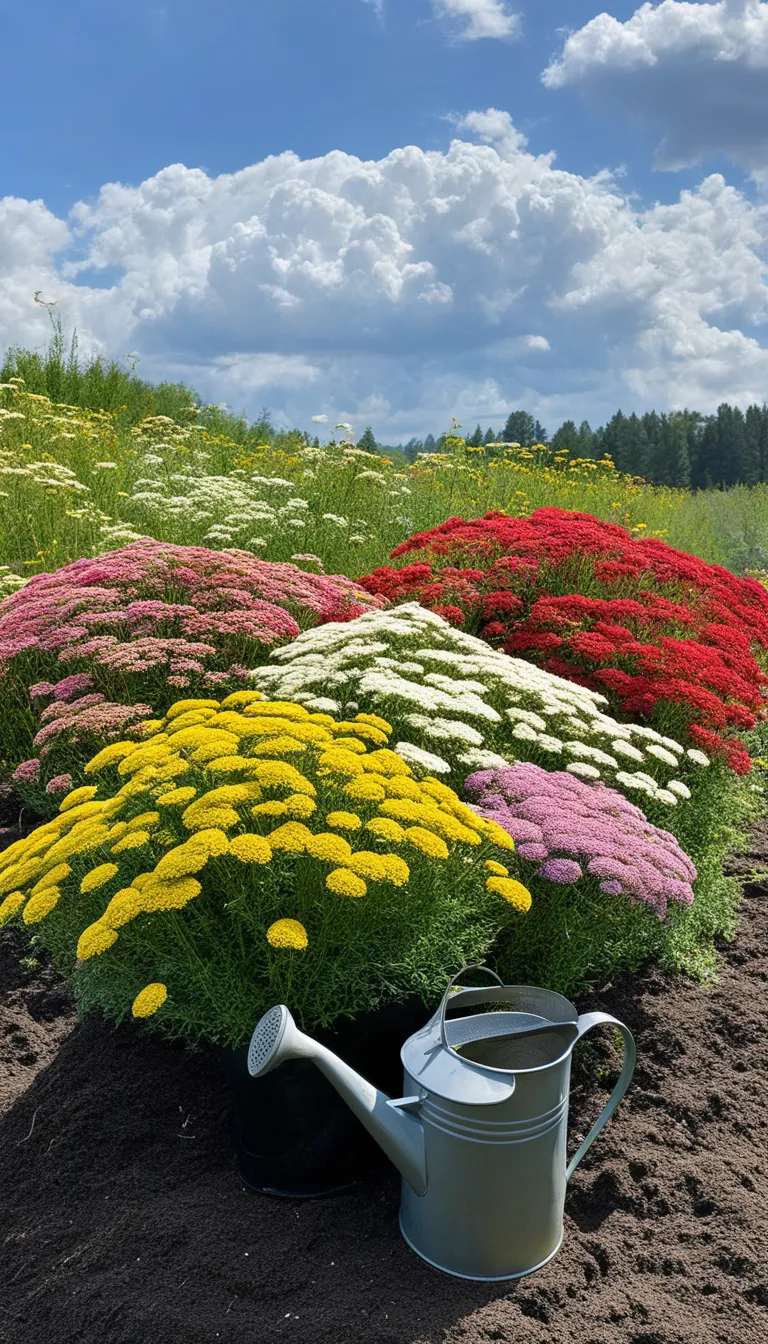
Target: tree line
<point>679,448</point>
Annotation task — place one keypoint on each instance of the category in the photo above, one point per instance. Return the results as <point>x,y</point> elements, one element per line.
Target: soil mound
<point>124,1222</point>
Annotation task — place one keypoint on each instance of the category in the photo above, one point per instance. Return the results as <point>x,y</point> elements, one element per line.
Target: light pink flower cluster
<point>181,613</point>
<point>576,828</point>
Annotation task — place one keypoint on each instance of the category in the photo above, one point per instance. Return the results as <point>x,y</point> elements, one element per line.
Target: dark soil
<point>123,1221</point>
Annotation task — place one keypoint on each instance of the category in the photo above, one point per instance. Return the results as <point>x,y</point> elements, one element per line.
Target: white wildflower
<point>698,757</point>
<point>583,770</point>
<point>420,760</point>
<point>678,787</point>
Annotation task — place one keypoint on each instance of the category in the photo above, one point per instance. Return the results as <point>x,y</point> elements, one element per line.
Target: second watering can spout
<point>399,1135</point>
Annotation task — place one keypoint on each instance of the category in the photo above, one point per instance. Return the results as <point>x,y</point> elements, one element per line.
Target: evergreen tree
<point>586,440</point>
<point>430,444</point>
<point>754,441</point>
<point>539,432</point>
<point>367,441</point>
<point>490,437</point>
<point>476,441</point>
<point>519,429</point>
<point>566,439</point>
<point>674,439</point>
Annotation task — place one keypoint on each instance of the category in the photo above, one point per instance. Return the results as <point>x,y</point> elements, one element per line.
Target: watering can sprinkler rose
<point>479,1135</point>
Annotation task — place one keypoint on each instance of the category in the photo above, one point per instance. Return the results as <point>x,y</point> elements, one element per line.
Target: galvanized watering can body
<point>480,1133</point>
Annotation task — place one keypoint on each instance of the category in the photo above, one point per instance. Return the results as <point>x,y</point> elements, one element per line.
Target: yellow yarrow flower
<point>292,837</point>
<point>279,774</point>
<point>285,708</point>
<point>124,906</point>
<point>365,730</point>
<point>365,789</point>
<point>81,795</point>
<point>241,698</point>
<point>251,849</point>
<point>387,763</point>
<point>384,828</point>
<point>343,821</point>
<point>52,877</point>
<point>149,1000</point>
<point>375,721</point>
<point>329,848</point>
<point>229,765</point>
<point>176,797</point>
<point>152,753</point>
<point>273,808</point>
<point>98,877</point>
<point>11,905</point>
<point>402,787</point>
<point>380,867</point>
<point>352,744</point>
<point>116,751</point>
<point>158,895</point>
<point>429,843</point>
<point>144,819</point>
<point>182,706</point>
<point>338,762</point>
<point>42,904</point>
<point>279,746</point>
<point>494,832</point>
<point>497,869</point>
<point>512,891</point>
<point>218,744</point>
<point>94,940</point>
<point>345,883</point>
<point>299,806</point>
<point>133,840</point>
<point>288,933</point>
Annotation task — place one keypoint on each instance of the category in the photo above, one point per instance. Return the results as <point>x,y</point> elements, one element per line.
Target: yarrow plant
<point>669,638</point>
<point>249,852</point>
<point>458,705</point>
<point>77,722</point>
<point>610,890</point>
<point>151,618</point>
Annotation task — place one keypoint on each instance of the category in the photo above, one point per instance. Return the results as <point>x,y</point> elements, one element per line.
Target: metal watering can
<point>480,1135</point>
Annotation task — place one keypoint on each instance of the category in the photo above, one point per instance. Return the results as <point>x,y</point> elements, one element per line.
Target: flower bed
<point>151,618</point>
<point>667,637</point>
<point>250,852</point>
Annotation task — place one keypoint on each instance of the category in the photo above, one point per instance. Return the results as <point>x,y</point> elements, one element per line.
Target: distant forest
<point>682,448</point>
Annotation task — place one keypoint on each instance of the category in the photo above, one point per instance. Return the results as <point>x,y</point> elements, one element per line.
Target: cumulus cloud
<point>404,290</point>
<point>697,72</point>
<point>482,18</point>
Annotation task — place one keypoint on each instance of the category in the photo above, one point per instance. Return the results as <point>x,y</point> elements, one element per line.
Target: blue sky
<point>573,263</point>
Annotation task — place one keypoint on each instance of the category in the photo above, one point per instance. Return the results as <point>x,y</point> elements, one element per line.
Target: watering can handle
<point>444,1004</point>
<point>585,1023</point>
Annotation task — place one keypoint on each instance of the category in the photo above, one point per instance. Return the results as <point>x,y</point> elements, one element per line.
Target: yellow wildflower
<point>117,831</point>
<point>329,848</point>
<point>154,752</point>
<point>278,746</point>
<point>375,721</point>
<point>98,877</point>
<point>494,832</point>
<point>11,905</point>
<point>251,848</point>
<point>380,867</point>
<point>497,869</point>
<point>133,840</point>
<point>280,774</point>
<point>364,730</point>
<point>149,1000</point>
<point>82,795</point>
<point>241,698</point>
<point>338,762</point>
<point>143,819</point>
<point>291,837</point>
<point>190,719</point>
<point>365,789</point>
<point>124,906</point>
<point>384,828</point>
<point>343,821</point>
<point>176,797</point>
<point>345,883</point>
<point>52,877</point>
<point>273,808</point>
<point>218,818</point>
<point>42,904</point>
<point>159,895</point>
<point>80,812</point>
<point>182,706</point>
<point>229,765</point>
<point>401,787</point>
<point>299,806</point>
<point>116,751</point>
<point>352,744</point>
<point>386,762</point>
<point>288,933</point>
<point>285,708</point>
<point>94,940</point>
<point>181,862</point>
<point>429,843</point>
<point>216,744</point>
<point>512,891</point>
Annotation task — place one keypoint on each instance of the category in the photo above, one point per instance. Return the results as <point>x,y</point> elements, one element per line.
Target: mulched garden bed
<point>123,1221</point>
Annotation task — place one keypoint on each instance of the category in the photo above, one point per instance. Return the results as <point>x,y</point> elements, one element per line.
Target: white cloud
<point>484,18</point>
<point>404,290</point>
<point>696,72</point>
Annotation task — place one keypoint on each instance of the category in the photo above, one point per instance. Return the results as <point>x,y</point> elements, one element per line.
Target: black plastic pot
<point>295,1136</point>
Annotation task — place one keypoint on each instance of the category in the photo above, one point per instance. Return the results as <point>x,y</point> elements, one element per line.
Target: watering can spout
<point>398,1134</point>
